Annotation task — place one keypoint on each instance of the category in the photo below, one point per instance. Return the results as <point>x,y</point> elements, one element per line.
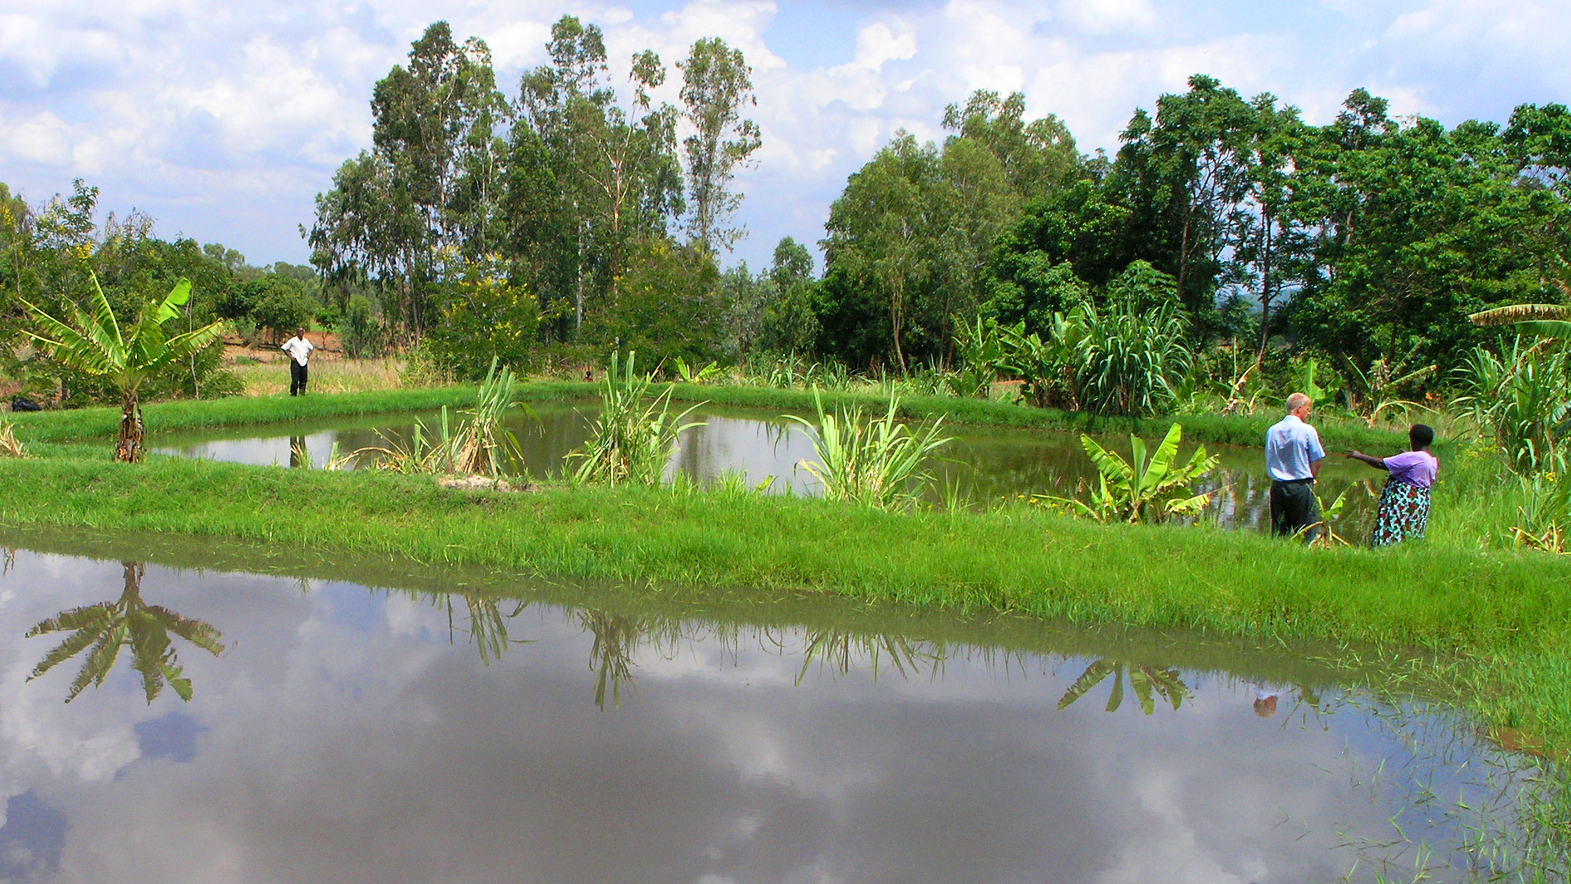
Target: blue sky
<point>223,121</point>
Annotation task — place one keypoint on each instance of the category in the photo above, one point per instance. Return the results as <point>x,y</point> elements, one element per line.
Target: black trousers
<point>297,376</point>
<point>1293,508</point>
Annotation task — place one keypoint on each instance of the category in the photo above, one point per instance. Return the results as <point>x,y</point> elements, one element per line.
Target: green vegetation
<point>93,344</point>
<point>874,462</point>
<point>1141,489</point>
<point>477,445</point>
<point>631,440</point>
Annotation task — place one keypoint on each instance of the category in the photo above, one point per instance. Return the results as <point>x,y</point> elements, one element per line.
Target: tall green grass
<point>875,461</point>
<point>630,441</point>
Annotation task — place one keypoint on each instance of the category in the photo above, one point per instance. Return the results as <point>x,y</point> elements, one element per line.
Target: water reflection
<point>1148,683</point>
<point>981,467</point>
<point>842,650</point>
<point>487,624</point>
<point>128,622</point>
<point>349,736</point>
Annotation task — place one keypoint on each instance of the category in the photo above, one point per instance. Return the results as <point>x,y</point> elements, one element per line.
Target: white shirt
<point>1291,447</point>
<point>298,348</point>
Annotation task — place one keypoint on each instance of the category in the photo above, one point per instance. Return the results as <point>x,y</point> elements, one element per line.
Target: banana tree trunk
<point>128,449</point>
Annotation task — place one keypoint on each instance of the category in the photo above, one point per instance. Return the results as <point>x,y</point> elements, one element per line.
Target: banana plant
<point>693,374</point>
<point>1547,320</point>
<point>127,622</point>
<point>1129,491</point>
<point>93,343</point>
<point>1148,683</point>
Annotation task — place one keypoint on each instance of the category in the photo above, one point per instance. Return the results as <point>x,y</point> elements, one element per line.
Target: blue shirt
<point>1291,446</point>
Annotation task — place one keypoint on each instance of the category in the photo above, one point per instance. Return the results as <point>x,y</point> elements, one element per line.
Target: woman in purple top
<point>1404,504</point>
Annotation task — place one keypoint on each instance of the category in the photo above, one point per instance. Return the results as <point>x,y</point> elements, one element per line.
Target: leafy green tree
<point>1414,228</point>
<point>430,192</point>
<point>486,320</point>
<point>716,85</point>
<point>361,331</point>
<point>788,323</point>
<point>671,305</point>
<point>589,177</point>
<point>882,229</point>
<point>128,622</point>
<point>93,344</point>
<point>1036,157</point>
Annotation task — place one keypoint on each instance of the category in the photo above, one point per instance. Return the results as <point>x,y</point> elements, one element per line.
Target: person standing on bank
<point>1404,504</point>
<point>1293,456</point>
<point>299,350</point>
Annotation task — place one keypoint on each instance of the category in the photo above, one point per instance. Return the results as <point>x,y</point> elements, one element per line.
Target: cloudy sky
<point>224,120</point>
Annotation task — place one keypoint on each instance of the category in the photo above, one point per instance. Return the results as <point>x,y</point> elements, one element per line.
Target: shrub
<point>359,331</point>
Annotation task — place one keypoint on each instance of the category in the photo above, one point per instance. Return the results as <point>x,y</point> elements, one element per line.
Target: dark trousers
<point>297,376</point>
<point>1293,508</point>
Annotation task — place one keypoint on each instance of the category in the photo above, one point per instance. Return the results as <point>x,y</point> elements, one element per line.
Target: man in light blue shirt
<point>1293,456</point>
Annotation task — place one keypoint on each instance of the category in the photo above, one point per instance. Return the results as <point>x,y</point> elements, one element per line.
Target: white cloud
<point>1109,16</point>
<point>224,120</point>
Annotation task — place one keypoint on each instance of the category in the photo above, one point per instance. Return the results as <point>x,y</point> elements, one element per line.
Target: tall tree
<point>716,85</point>
<point>1036,156</point>
<point>428,195</point>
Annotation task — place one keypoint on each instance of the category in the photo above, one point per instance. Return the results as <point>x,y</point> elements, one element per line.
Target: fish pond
<point>261,715</point>
<point>979,467</point>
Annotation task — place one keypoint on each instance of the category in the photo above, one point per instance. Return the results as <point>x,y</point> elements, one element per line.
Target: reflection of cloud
<point>361,747</point>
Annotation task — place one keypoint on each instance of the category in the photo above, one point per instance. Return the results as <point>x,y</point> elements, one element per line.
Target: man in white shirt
<point>1293,456</point>
<point>299,350</point>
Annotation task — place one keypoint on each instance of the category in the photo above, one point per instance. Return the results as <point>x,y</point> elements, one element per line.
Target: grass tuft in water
<point>631,440</point>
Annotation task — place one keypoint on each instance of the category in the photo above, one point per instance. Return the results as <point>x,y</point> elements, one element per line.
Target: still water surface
<point>981,464</point>
<point>353,734</point>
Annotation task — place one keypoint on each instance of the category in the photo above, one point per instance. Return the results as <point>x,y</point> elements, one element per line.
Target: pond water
<point>981,465</point>
<point>523,730</point>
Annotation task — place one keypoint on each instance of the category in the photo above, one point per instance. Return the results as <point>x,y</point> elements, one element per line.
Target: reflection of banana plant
<point>835,648</point>
<point>109,626</point>
<point>616,639</point>
<point>1148,682</point>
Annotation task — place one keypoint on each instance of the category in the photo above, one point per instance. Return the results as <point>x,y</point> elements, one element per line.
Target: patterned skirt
<point>1404,513</point>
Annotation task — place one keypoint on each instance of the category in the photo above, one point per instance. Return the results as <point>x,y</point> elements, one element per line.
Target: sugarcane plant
<point>877,462</point>
<point>93,343</point>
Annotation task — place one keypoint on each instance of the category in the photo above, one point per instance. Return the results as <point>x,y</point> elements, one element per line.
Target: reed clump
<point>477,444</point>
<point>875,462</point>
<point>631,440</point>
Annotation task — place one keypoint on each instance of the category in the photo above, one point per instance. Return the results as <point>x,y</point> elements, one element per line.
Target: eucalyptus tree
<point>590,177</point>
<point>716,86</point>
<point>882,228</point>
<point>429,193</point>
<point>1036,156</point>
